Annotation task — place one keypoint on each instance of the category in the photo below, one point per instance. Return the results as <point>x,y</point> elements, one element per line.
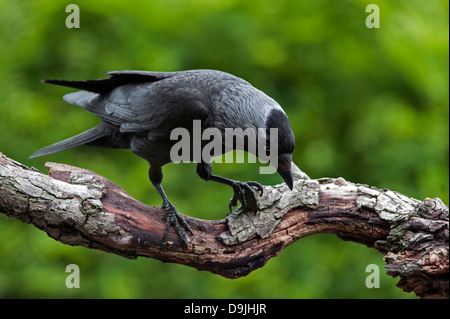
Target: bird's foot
<point>174,219</point>
<point>244,193</point>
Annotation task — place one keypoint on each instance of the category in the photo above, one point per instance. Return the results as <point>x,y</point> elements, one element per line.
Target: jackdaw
<point>140,109</point>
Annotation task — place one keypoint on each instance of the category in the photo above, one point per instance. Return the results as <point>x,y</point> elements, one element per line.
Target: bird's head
<point>278,120</point>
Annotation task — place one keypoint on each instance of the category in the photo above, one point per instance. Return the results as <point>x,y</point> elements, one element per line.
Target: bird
<point>140,109</point>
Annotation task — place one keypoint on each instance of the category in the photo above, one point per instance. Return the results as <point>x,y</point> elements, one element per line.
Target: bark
<point>79,207</point>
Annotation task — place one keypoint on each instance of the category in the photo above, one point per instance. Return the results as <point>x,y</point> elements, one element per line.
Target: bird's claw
<point>244,193</point>
<point>174,219</point>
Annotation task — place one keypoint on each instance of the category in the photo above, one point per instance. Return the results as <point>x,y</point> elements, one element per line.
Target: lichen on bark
<point>79,207</point>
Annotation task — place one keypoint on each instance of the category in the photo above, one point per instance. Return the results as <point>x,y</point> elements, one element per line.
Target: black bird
<point>139,109</point>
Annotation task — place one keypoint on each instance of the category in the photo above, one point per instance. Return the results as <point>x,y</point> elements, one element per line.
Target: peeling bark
<point>79,207</point>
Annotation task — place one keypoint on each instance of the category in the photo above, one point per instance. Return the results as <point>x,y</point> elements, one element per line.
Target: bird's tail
<point>86,137</point>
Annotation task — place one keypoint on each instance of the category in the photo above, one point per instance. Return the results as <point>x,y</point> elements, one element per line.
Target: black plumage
<point>140,109</point>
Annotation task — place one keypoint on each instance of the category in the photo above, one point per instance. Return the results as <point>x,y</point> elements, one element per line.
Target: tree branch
<point>79,207</point>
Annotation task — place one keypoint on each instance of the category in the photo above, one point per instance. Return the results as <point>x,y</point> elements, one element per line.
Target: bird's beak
<point>286,175</point>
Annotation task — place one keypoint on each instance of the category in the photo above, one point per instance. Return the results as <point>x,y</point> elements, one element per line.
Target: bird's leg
<point>243,191</point>
<point>172,218</point>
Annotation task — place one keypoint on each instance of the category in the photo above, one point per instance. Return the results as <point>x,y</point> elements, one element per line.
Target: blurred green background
<point>370,105</point>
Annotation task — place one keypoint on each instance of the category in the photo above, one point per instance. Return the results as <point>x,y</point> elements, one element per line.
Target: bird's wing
<point>129,74</point>
<point>139,101</point>
<point>116,79</point>
<point>161,105</point>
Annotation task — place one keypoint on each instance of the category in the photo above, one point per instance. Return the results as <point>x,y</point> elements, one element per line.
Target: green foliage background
<point>370,105</point>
